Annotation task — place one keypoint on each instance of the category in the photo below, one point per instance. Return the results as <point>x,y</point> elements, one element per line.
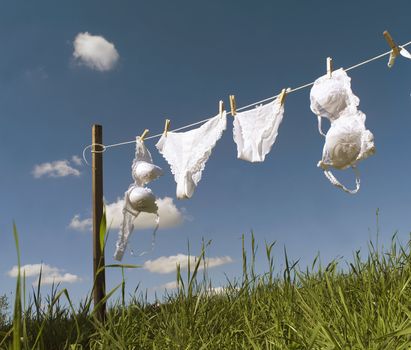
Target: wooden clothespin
<point>395,51</point>
<point>221,108</point>
<point>143,135</point>
<point>391,42</point>
<point>233,105</point>
<point>329,67</point>
<point>281,96</point>
<point>166,127</point>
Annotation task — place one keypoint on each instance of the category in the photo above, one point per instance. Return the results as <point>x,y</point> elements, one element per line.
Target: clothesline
<point>289,90</point>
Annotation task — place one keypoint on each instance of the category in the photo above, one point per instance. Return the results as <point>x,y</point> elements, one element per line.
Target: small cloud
<point>32,270</point>
<point>49,274</point>
<point>216,291</point>
<point>77,160</point>
<point>220,290</point>
<point>169,285</point>
<point>168,264</point>
<point>59,278</point>
<point>170,216</point>
<point>95,52</point>
<point>81,225</point>
<point>58,168</point>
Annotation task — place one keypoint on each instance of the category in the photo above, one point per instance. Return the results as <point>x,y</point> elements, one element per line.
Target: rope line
<point>289,90</point>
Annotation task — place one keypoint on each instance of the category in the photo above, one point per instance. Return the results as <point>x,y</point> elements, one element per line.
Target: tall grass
<point>364,305</point>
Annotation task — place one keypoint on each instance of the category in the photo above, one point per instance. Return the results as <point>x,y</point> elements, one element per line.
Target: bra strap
<point>329,175</point>
<point>319,126</point>
<point>153,241</point>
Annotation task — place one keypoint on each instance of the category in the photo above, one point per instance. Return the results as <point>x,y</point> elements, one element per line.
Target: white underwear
<point>255,130</point>
<point>347,141</point>
<point>137,198</point>
<point>188,152</point>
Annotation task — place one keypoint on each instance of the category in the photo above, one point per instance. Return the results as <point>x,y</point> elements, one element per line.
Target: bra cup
<point>142,199</point>
<point>342,143</point>
<point>329,104</point>
<point>144,172</point>
<point>343,154</point>
<point>331,96</point>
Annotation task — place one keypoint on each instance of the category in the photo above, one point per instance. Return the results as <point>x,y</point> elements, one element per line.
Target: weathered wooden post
<point>97,193</point>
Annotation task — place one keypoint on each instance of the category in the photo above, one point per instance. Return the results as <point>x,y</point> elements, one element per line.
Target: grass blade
<point>17,314</point>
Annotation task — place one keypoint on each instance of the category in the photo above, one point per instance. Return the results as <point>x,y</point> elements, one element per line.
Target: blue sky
<point>176,60</point>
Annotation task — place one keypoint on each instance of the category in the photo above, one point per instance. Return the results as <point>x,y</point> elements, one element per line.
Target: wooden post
<point>98,256</point>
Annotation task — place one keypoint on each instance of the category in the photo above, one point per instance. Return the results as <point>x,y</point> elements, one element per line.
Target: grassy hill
<point>363,305</point>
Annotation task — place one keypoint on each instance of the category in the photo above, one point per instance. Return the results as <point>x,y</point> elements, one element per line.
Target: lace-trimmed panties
<point>188,152</point>
<point>256,130</point>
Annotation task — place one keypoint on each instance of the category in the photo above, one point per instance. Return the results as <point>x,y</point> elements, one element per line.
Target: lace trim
<point>200,164</point>
<point>160,146</point>
<point>196,169</point>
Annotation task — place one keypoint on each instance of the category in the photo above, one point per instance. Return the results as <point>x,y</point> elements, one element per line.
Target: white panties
<point>188,152</point>
<point>255,130</point>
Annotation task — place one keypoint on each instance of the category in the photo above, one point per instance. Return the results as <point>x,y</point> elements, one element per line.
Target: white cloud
<point>220,290</point>
<point>32,270</point>
<point>49,274</point>
<point>59,278</point>
<point>170,216</point>
<point>169,285</point>
<point>58,168</point>
<point>95,52</point>
<point>167,264</point>
<point>216,291</point>
<point>81,225</point>
<point>76,160</point>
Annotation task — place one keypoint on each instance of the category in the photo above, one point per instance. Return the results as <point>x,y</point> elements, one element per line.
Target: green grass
<point>364,305</point>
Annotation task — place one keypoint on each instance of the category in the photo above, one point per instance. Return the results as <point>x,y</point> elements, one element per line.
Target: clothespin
<point>391,42</point>
<point>166,127</point>
<point>329,67</point>
<point>221,108</point>
<point>233,105</point>
<point>143,135</point>
<point>282,96</point>
<point>395,51</point>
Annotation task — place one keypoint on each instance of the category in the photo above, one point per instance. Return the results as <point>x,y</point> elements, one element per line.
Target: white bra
<point>137,198</point>
<point>347,141</point>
